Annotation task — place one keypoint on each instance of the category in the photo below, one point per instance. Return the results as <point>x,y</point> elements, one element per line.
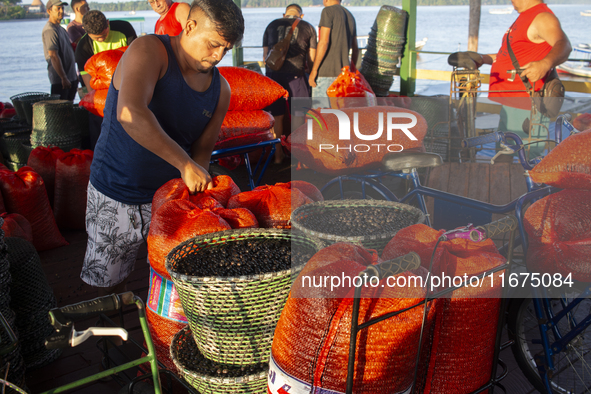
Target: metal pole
<point>237,51</point>
<point>409,58</point>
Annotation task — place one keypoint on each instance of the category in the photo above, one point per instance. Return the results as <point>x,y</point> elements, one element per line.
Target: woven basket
<point>29,102</point>
<point>255,384</point>
<point>11,146</point>
<point>325,208</point>
<point>233,318</point>
<point>19,99</point>
<point>54,123</point>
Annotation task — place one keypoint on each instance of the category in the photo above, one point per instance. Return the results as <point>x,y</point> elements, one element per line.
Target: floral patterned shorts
<point>115,233</point>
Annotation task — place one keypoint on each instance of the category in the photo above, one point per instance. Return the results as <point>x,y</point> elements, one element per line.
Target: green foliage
<point>9,11</point>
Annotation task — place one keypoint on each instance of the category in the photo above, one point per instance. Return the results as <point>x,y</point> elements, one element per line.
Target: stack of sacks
<point>16,226</point>
<point>24,193</point>
<point>101,67</point>
<point>325,152</point>
<point>558,226</point>
<point>245,122</point>
<point>465,329</point>
<point>43,159</point>
<point>176,217</point>
<point>311,343</point>
<point>272,205</point>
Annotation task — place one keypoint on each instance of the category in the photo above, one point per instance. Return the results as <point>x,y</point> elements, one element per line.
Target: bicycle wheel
<point>572,372</point>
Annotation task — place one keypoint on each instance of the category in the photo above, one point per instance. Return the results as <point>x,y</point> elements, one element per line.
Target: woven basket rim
<point>237,234</point>
<point>27,94</point>
<point>348,203</point>
<point>210,379</point>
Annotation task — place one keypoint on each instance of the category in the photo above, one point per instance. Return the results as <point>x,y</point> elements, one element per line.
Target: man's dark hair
<point>94,22</point>
<point>225,15</point>
<point>294,5</point>
<point>74,2</point>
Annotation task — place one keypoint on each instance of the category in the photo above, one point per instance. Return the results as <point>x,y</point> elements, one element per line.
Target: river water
<point>23,69</point>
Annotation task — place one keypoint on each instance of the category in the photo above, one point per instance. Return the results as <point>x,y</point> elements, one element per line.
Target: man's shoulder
<point>49,27</point>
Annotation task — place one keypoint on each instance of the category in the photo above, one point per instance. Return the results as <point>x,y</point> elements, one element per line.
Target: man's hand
<point>66,84</point>
<point>312,78</point>
<point>196,178</point>
<point>535,71</point>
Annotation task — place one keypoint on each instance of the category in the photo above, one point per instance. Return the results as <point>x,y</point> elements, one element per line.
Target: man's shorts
<point>115,233</point>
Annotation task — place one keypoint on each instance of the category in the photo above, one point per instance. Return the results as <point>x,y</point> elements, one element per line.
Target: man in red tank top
<point>173,16</point>
<point>539,44</point>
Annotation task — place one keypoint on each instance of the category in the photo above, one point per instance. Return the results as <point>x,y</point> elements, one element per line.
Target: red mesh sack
<point>582,122</point>
<point>244,123</point>
<point>238,217</point>
<point>567,166</point>
<point>72,173</point>
<point>245,139</point>
<point>244,97</point>
<point>101,67</point>
<point>174,222</point>
<point>559,233</point>
<point>162,331</point>
<point>308,189</point>
<point>94,102</point>
<point>16,225</point>
<point>465,329</point>
<point>311,341</point>
<point>320,152</point>
<point>24,193</point>
<point>207,203</point>
<point>2,207</point>
<point>271,205</point>
<point>350,84</point>
<point>175,189</point>
<point>42,160</point>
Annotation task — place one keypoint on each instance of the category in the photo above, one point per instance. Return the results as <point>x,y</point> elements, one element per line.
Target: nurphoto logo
<point>388,124</point>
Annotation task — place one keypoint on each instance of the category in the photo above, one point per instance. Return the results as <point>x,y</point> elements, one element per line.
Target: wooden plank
<point>478,182</point>
<point>458,179</point>
<point>500,183</point>
<point>518,185</point>
<point>439,180</point>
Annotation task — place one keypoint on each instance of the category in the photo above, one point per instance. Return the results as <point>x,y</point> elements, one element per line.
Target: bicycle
<point>66,335</point>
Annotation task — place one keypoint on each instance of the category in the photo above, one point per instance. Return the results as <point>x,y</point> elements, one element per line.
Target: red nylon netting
<point>311,340</point>
<point>24,193</point>
<point>102,66</point>
<point>349,84</point>
<point>466,325</point>
<point>330,161</point>
<point>42,160</point>
<point>94,102</point>
<point>271,205</point>
<point>238,217</point>
<point>174,222</point>
<point>582,122</point>
<point>567,166</point>
<point>307,188</point>
<point>559,233</point>
<point>223,188</point>
<point>162,331</point>
<point>72,173</point>
<point>245,128</point>
<point>16,225</point>
<point>244,97</point>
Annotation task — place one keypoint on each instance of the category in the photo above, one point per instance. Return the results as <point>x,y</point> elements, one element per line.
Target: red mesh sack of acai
<point>350,84</point>
<point>567,166</point>
<point>42,159</point>
<point>244,96</point>
<point>207,203</point>
<point>312,337</point>
<point>373,132</point>
<point>582,122</point>
<point>223,187</point>
<point>245,128</point>
<point>271,205</point>
<point>162,331</point>
<point>16,225</point>
<point>72,173</point>
<point>308,189</point>
<point>465,329</point>
<point>174,222</point>
<point>94,102</point>
<point>24,193</point>
<point>559,233</point>
<point>238,217</point>
<point>101,67</point>
<point>2,206</point>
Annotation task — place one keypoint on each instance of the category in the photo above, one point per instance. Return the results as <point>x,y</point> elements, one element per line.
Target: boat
<point>580,64</point>
<point>586,13</point>
<point>132,12</point>
<point>420,44</point>
<point>501,11</point>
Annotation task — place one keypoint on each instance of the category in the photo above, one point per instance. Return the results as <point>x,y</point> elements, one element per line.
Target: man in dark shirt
<point>299,59</point>
<point>75,28</point>
<point>337,36</point>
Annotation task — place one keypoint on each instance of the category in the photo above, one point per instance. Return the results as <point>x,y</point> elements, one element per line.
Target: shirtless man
<point>173,16</point>
<point>162,119</point>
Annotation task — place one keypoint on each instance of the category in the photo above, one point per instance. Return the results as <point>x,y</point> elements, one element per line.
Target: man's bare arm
<point>140,68</point>
<point>321,49</point>
<point>56,62</point>
<point>182,13</point>
<point>202,148</point>
<point>546,28</point>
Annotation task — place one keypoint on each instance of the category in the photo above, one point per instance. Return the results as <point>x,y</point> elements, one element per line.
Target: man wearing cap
<point>173,16</point>
<point>61,66</point>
